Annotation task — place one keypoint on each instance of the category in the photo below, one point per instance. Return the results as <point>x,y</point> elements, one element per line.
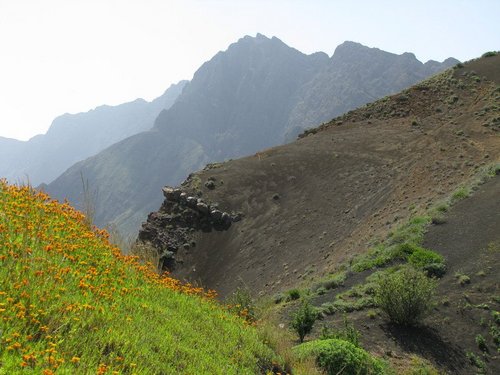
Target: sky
<point>70,56</point>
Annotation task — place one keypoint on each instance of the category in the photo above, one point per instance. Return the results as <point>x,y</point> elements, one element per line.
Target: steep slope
<point>239,102</point>
<point>74,137</point>
<point>70,303</point>
<point>302,208</point>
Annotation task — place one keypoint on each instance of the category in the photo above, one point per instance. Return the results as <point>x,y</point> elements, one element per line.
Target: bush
<point>347,333</point>
<point>336,356</point>
<point>422,257</point>
<point>481,343</point>
<point>427,260</point>
<point>303,320</point>
<point>420,366</point>
<point>405,295</point>
<point>293,294</point>
<point>241,303</point>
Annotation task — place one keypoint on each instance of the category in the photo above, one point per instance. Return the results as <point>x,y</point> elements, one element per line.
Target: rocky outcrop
<point>180,216</point>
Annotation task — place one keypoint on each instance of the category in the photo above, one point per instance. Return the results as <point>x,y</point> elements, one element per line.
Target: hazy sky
<point>59,56</point>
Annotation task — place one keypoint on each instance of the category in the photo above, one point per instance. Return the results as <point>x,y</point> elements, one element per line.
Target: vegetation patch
<point>337,356</point>
<point>405,295</point>
<point>71,303</point>
<point>303,320</point>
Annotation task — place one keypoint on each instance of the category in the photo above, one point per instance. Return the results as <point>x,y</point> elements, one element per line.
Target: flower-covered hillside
<point>70,303</point>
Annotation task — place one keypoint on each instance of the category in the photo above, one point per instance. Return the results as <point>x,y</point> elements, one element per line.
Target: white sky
<point>59,56</point>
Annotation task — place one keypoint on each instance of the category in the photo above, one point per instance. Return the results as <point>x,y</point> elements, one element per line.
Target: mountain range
<point>75,137</point>
<point>257,94</point>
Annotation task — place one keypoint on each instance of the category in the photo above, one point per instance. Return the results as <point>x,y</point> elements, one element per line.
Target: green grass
<point>70,303</point>
<point>459,194</point>
<point>410,233</point>
<point>337,356</point>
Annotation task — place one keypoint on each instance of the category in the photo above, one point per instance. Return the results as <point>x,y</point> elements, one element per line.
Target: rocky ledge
<point>174,225</point>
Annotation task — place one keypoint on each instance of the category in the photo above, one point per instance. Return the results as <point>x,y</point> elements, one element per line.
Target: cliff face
<point>302,208</point>
<point>257,94</point>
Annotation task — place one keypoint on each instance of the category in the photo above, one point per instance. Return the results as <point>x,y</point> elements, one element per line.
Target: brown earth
<point>311,205</point>
<point>314,203</point>
<point>469,239</point>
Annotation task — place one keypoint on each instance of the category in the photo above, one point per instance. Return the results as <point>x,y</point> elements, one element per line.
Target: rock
<point>202,208</point>
<point>171,194</point>
<point>226,218</point>
<point>167,255</point>
<point>183,197</point>
<point>191,202</point>
<point>276,197</point>
<point>216,215</point>
<point>236,217</point>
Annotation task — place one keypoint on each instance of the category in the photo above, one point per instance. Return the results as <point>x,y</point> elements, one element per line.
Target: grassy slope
<point>70,303</point>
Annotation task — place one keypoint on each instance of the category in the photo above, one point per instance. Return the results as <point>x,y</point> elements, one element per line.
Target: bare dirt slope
<point>311,204</point>
<point>469,239</point>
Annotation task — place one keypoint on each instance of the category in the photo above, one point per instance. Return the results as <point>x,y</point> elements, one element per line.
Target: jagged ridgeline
<point>45,157</point>
<point>70,303</point>
<point>257,94</point>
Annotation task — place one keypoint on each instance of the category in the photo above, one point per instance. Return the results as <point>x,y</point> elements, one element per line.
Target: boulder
<point>202,208</point>
<point>216,215</point>
<point>171,194</point>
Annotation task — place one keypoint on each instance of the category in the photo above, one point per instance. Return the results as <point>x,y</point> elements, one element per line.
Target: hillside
<point>341,186</point>
<point>70,303</point>
<point>44,157</point>
<point>257,94</point>
<point>327,215</point>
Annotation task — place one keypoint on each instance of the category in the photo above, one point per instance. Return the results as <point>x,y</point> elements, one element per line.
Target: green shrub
<point>242,304</point>
<point>336,356</point>
<point>427,260</point>
<point>481,343</point>
<point>459,194</point>
<point>303,320</point>
<point>332,282</point>
<point>495,335</point>
<point>462,278</point>
<point>422,257</point>
<point>496,316</point>
<point>476,361</point>
<point>347,333</point>
<point>420,366</point>
<point>405,295</point>
<point>293,295</point>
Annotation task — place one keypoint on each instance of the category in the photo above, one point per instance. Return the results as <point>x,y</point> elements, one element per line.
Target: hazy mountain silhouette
<point>257,94</point>
<point>74,137</point>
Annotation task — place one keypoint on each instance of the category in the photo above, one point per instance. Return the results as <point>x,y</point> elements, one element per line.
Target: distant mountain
<point>257,94</point>
<point>74,137</point>
<point>356,75</point>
